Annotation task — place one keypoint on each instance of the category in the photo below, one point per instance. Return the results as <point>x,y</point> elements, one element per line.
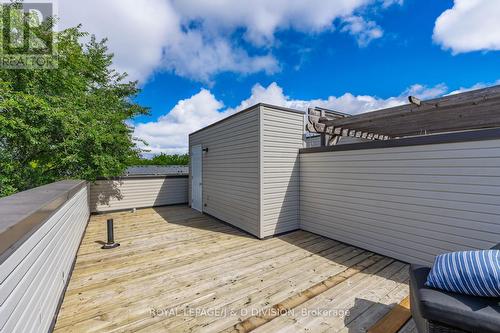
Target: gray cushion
<point>470,313</point>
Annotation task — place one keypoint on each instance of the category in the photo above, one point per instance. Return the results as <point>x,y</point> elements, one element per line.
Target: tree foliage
<point>161,159</point>
<point>67,122</point>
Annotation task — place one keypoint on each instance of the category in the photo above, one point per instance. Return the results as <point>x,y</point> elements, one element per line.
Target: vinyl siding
<point>282,137</point>
<point>128,193</point>
<point>230,170</point>
<point>410,203</point>
<point>34,276</point>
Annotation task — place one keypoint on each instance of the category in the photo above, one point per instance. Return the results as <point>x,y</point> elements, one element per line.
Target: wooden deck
<point>180,271</point>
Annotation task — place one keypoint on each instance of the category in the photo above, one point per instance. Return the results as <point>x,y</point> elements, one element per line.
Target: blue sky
<point>198,62</point>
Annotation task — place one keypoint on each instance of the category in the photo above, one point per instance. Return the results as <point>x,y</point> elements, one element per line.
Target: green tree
<point>175,159</point>
<point>161,159</point>
<point>66,122</point>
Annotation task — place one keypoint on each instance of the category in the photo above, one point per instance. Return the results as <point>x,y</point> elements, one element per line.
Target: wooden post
<point>323,139</point>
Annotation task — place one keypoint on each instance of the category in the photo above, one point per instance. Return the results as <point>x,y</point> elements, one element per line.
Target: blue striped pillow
<point>474,273</point>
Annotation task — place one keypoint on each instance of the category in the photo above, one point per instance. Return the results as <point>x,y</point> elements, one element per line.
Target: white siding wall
<point>410,203</point>
<point>281,139</point>
<point>128,193</point>
<point>230,170</point>
<point>33,277</point>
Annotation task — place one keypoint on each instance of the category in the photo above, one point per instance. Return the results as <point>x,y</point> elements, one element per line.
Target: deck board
<point>212,276</point>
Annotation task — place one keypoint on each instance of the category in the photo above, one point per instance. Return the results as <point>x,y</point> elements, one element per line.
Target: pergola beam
<point>471,97</point>
<point>485,115</point>
<point>464,111</point>
<point>475,109</point>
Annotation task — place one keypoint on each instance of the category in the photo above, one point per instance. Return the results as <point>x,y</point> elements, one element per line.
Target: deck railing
<point>40,232</point>
<point>136,191</point>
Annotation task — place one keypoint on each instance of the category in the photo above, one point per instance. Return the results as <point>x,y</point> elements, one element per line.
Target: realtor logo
<point>27,38</point>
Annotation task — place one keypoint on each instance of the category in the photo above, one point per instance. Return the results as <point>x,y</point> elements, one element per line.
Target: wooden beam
<point>310,128</point>
<point>333,140</point>
<point>470,110</point>
<point>461,118</point>
<point>394,320</point>
<point>322,140</point>
<point>468,98</point>
<point>429,116</point>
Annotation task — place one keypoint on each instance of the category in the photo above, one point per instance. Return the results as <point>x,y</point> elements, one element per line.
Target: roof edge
<point>258,105</point>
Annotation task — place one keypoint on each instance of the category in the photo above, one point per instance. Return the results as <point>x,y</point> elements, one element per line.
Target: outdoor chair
<point>440,311</point>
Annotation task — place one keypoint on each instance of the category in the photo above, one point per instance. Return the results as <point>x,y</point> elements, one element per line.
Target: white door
<point>196,178</point>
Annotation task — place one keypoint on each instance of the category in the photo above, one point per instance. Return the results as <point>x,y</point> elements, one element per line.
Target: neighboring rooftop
<point>157,170</point>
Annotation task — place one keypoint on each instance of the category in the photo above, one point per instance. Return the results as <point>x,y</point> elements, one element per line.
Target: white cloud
<point>196,38</point>
<point>170,132</point>
<point>364,31</point>
<point>423,92</point>
<point>471,25</point>
<point>149,35</point>
<point>388,3</point>
<point>273,94</point>
<point>136,31</point>
<point>348,103</point>
<point>476,86</point>
<point>262,18</point>
<point>194,57</point>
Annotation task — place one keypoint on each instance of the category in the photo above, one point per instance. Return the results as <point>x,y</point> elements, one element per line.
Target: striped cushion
<point>474,273</point>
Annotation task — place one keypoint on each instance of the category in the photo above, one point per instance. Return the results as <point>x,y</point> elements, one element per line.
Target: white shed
<point>244,169</point>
